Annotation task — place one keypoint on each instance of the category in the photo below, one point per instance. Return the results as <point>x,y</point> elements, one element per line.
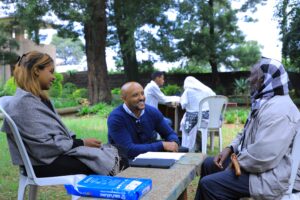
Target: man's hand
<point>170,146</point>
<point>92,142</point>
<point>219,159</point>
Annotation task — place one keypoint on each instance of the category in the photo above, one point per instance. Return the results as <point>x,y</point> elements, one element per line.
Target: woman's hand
<point>219,159</point>
<point>91,142</point>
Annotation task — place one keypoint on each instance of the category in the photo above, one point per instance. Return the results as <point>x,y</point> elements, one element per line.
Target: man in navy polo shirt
<point>134,125</point>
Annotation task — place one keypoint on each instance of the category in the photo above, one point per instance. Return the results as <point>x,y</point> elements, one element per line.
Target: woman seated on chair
<point>194,92</point>
<point>53,149</point>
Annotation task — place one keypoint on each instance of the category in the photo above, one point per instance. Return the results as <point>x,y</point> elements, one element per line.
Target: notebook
<point>152,163</point>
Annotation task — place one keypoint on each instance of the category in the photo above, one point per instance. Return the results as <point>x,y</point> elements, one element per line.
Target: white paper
<point>175,99</point>
<point>161,155</point>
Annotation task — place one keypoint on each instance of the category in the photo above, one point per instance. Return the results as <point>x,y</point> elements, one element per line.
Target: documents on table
<point>173,99</point>
<point>161,155</point>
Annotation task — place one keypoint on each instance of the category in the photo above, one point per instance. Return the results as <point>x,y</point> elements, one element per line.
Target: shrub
<point>64,102</point>
<point>241,86</point>
<point>242,115</point>
<point>171,90</point>
<point>102,109</point>
<point>230,117</point>
<point>68,89</point>
<point>80,93</point>
<point>220,89</point>
<point>84,110</point>
<point>10,87</point>
<point>2,93</point>
<point>56,89</point>
<point>116,91</point>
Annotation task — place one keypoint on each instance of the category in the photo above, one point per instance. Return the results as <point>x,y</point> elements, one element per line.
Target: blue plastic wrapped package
<point>111,187</point>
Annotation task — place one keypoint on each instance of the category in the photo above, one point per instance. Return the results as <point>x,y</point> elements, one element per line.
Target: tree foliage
<point>204,32</point>
<point>246,54</point>
<point>71,51</point>
<point>288,15</point>
<point>30,15</point>
<point>293,38</point>
<point>128,18</point>
<point>90,15</point>
<point>7,45</point>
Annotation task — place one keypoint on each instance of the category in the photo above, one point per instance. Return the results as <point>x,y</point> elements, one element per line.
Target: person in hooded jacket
<point>263,148</point>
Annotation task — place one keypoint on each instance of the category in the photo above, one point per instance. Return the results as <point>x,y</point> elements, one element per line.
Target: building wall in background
<point>28,45</point>
<point>25,45</point>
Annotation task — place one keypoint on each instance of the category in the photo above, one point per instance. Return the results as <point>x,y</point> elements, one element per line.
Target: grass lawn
<point>88,126</point>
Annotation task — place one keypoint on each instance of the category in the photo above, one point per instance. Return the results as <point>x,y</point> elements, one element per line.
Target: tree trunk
<point>125,33</point>
<point>95,31</point>
<point>214,71</point>
<point>212,54</point>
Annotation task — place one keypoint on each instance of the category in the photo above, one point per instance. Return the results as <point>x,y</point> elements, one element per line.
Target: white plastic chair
<point>295,165</point>
<point>217,106</point>
<point>27,175</point>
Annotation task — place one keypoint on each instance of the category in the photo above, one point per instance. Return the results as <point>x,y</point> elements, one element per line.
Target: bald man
<point>134,125</point>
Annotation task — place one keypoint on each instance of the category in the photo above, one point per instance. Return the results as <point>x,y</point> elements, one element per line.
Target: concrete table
<point>168,184</point>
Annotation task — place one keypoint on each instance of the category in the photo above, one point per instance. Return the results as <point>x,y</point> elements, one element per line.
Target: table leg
<point>176,120</point>
<point>183,195</point>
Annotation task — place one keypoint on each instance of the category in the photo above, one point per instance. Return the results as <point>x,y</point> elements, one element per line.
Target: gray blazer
<point>46,137</point>
<point>267,154</point>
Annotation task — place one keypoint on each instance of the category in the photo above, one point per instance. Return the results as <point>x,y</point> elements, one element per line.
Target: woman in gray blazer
<point>53,149</point>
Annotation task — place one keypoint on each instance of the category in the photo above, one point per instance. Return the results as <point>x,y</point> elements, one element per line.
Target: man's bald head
<point>132,94</point>
<point>128,87</point>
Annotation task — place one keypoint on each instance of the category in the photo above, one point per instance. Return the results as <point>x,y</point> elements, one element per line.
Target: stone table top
<point>168,184</point>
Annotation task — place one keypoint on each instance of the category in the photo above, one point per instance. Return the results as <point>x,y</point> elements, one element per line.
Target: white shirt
<point>154,95</point>
<point>131,113</point>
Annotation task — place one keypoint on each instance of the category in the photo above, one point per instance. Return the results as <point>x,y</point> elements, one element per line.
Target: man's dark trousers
<point>217,184</point>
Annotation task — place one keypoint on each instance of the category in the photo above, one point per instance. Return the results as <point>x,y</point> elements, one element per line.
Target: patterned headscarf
<point>275,82</point>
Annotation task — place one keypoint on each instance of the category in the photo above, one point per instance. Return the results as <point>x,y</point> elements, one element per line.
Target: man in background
<point>155,96</point>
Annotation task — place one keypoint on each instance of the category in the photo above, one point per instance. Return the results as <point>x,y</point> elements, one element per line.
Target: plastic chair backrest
<point>217,106</point>
<point>296,160</point>
<point>20,144</point>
